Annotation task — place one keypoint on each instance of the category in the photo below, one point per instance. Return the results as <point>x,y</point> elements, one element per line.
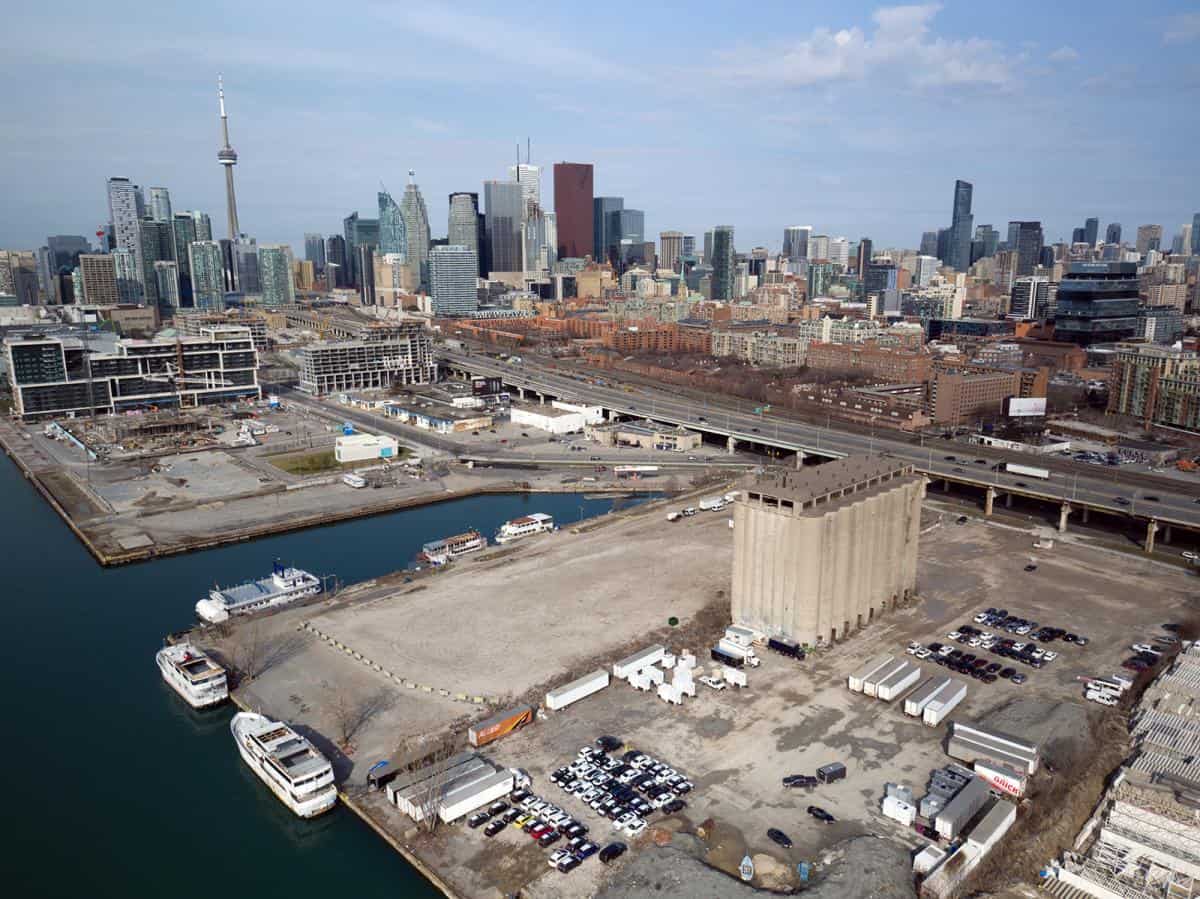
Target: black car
<point>778,836</point>
<point>1031,567</point>
<point>962,519</point>
<point>570,863</point>
<point>675,805</point>
<point>494,827</point>
<point>820,814</point>
<point>609,743</point>
<point>612,852</point>
<point>1122,501</point>
<point>1152,499</point>
<point>549,839</point>
<point>477,819</point>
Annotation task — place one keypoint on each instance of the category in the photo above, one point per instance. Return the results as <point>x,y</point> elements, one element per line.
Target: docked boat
<point>285,585</point>
<point>193,675</point>
<point>297,774</point>
<point>525,526</point>
<point>439,552</point>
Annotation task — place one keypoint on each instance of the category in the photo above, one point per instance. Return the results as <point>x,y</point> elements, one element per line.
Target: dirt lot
<point>507,625</point>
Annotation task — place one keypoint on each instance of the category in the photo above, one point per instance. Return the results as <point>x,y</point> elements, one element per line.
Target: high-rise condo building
<point>958,250</point>
<point>314,252</point>
<point>1112,234</point>
<point>462,223</point>
<point>65,250</point>
<point>1026,239</point>
<point>228,158</point>
<point>393,236</point>
<point>573,209</point>
<point>208,276</point>
<point>99,278</point>
<point>160,204</point>
<point>166,276</point>
<point>335,258</point>
<point>359,233</point>
<point>275,275</point>
<point>670,248</point>
<point>504,205</point>
<point>818,247</point>
<point>1149,237</point>
<point>129,277</point>
<point>602,241</point>
<point>929,243</point>
<point>927,267</point>
<point>723,263</point>
<point>158,245</point>
<point>1196,234</point>
<point>183,233</point>
<point>452,271</point>
<point>416,226</point>
<point>247,277</point>
<point>795,241</point>
<point>862,258</point>
<point>123,215</point>
<point>1091,231</point>
<point>203,225</point>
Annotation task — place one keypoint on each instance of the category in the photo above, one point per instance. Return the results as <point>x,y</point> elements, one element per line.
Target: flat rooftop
<point>848,474</point>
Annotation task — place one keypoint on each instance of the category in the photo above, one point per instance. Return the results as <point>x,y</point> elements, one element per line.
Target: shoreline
<point>272,528</point>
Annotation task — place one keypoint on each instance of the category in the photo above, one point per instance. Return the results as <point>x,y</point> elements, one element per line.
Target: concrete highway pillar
<point>946,485</point>
<point>1063,512</point>
<point>1166,537</point>
<point>1008,500</point>
<point>731,446</point>
<point>799,458</point>
<point>1151,530</point>
<point>541,399</point>
<point>521,392</point>
<point>989,497</point>
<point>612,414</point>
<point>1084,516</point>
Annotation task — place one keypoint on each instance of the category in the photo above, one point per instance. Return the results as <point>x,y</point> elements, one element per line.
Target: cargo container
<point>900,680</point>
<point>872,681</point>
<point>640,680</point>
<point>745,653</point>
<point>743,636</point>
<point>499,725</point>
<point>928,859</point>
<point>733,676</point>
<point>944,703</point>
<point>1002,778</point>
<point>459,803</point>
<point>726,658</point>
<point>855,681</point>
<point>915,702</point>
<point>827,774</point>
<point>995,824</point>
<point>655,675</point>
<point>639,660</point>
<point>562,697</point>
<point>970,742</point>
<point>899,810</point>
<point>786,647</point>
<point>962,808</point>
<point>1028,471</point>
<point>668,693</point>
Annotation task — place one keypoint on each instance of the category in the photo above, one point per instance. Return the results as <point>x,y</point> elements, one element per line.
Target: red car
<point>540,831</point>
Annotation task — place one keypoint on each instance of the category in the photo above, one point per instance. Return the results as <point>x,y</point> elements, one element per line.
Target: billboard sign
<point>486,386</point>
<point>1029,407</point>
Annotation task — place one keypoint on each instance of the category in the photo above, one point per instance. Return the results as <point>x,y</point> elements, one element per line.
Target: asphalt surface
<point>951,461</point>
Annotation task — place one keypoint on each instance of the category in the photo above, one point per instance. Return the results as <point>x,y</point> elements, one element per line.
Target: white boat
<point>193,675</point>
<point>297,774</point>
<point>439,552</point>
<point>525,526</point>
<point>285,585</point>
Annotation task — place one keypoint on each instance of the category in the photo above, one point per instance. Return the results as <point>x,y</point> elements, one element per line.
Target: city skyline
<point>882,182</point>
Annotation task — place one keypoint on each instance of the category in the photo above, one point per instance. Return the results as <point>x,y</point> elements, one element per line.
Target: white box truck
<point>639,660</point>
<point>561,697</point>
<point>745,653</point>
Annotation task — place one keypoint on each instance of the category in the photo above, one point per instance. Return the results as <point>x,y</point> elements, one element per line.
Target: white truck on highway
<point>1027,471</point>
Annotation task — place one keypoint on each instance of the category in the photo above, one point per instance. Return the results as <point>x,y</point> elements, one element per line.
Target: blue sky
<point>855,118</point>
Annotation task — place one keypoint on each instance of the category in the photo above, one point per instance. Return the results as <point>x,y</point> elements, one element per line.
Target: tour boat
<point>193,675</point>
<point>285,585</point>
<point>439,552</point>
<point>525,526</point>
<point>299,776</point>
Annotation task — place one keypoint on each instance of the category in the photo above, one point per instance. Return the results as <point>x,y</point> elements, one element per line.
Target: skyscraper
<point>530,179</point>
<point>818,247</point>
<point>1112,234</point>
<point>275,275</point>
<point>98,277</point>
<point>129,277</point>
<point>795,241</point>
<point>203,226</point>
<point>393,236</point>
<point>573,209</point>
<point>208,277</point>
<point>158,245</point>
<point>723,262</point>
<point>929,243</point>
<point>1026,239</point>
<point>246,269</point>
<point>1091,231</point>
<point>228,158</point>
<point>1097,303</point>
<point>183,232</point>
<point>160,204</point>
<point>670,248</point>
<point>166,276</point>
<point>689,246</point>
<point>625,226</point>
<point>416,226</point>
<point>862,258</point>
<point>123,215</point>
<point>452,271</point>
<point>989,239</point>
<point>958,249</point>
<point>602,207</point>
<point>65,250</point>
<point>314,251</point>
<point>1196,234</point>
<point>359,232</point>
<point>335,257</point>
<point>462,223</point>
<point>504,205</point>
<point>1149,237</point>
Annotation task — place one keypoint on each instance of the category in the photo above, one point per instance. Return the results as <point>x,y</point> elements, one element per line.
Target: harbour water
<point>113,786</point>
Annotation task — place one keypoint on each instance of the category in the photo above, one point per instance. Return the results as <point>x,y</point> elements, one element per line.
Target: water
<point>112,786</point>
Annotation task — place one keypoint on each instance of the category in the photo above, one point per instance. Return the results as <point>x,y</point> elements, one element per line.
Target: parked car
<point>612,852</point>
<point>820,814</point>
<point>778,836</point>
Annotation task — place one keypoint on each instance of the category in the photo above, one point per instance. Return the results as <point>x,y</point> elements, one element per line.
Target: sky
<point>855,118</point>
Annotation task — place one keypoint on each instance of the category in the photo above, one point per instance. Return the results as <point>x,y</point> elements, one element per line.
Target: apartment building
<point>381,356</point>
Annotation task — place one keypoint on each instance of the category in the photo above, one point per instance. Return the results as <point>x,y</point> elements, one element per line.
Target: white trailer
<point>743,635</point>
<point>668,660</point>
<point>855,681</point>
<point>667,693</point>
<point>734,676</point>
<point>901,680</point>
<point>712,503</point>
<point>737,650</point>
<point>899,810</point>
<point>639,680</point>
<point>685,688</point>
<point>1028,471</point>
<point>686,660</point>
<point>944,703</point>
<point>639,660</point>
<point>872,682</point>
<point>915,702</point>
<point>455,805</point>
<point>655,675</point>
<point>561,697</point>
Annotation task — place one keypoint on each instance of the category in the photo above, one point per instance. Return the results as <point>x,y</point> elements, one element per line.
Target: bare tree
<point>247,650</point>
<point>351,714</point>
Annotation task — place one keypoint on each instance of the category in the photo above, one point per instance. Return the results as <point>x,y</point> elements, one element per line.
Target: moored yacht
<point>439,552</point>
<point>525,526</point>
<point>193,675</point>
<point>296,772</point>
<point>285,585</point>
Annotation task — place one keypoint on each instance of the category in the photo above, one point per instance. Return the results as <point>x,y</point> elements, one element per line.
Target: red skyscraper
<point>573,208</point>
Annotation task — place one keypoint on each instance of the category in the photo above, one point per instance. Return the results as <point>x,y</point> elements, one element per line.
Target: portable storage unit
<point>639,660</point>
<point>467,799</point>
<point>970,742</point>
<point>562,697</point>
<point>916,701</point>
<point>855,681</point>
<point>900,680</point>
<point>872,681</point>
<point>962,808</point>
<point>827,774</point>
<point>499,725</point>
<point>944,703</point>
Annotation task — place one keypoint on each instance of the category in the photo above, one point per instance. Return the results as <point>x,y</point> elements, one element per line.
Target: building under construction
<point>381,355</point>
<point>818,553</point>
<point>55,376</point>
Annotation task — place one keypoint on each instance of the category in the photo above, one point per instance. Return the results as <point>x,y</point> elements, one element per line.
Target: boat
<point>299,776</point>
<point>746,869</point>
<point>285,585</point>
<point>525,526</point>
<point>193,675</point>
<point>439,552</point>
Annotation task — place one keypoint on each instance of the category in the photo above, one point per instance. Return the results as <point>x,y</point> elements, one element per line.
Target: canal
<point>114,787</point>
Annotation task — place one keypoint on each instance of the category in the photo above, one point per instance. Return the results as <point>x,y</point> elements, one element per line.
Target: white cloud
<point>1182,29</point>
<point>900,41</point>
<point>1064,54</point>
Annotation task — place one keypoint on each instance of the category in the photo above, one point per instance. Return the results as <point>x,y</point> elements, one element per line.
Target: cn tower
<point>227,156</point>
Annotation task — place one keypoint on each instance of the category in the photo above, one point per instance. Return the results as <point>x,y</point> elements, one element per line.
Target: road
<point>1170,506</point>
